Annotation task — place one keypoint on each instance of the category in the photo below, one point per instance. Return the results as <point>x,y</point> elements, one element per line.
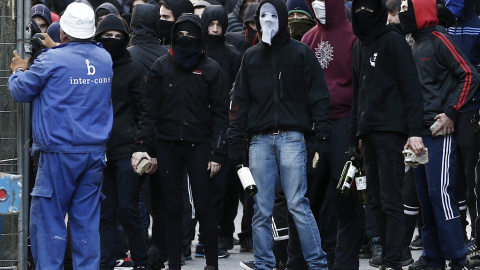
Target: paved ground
<point>233,262</point>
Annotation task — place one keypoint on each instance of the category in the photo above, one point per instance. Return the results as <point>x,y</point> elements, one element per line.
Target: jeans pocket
<point>294,136</point>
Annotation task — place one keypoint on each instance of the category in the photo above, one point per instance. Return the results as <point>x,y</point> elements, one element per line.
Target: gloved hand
<point>322,147</point>
<point>353,151</point>
<point>236,152</point>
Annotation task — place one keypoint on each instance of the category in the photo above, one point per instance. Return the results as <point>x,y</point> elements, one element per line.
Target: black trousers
<point>385,171</point>
<point>468,147</point>
<point>173,158</point>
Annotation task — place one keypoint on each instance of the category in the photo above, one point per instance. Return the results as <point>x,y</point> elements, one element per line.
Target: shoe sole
<point>224,256</point>
<point>244,266</point>
<point>415,248</point>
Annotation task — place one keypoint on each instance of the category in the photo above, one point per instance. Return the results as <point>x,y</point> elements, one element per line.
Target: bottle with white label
<point>348,174</point>
<point>247,180</point>
<point>361,184</point>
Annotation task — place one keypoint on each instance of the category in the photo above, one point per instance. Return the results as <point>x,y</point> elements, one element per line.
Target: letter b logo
<point>90,68</point>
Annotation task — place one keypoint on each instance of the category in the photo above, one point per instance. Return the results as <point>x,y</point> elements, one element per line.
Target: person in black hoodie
<point>386,116</point>
<point>170,11</point>
<point>242,40</point>
<point>449,84</point>
<point>185,114</point>
<point>121,184</point>
<point>145,44</point>
<point>279,94</point>
<point>227,182</point>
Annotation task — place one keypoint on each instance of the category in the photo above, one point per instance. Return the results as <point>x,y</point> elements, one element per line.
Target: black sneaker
<point>365,252</point>
<point>223,253</point>
<point>236,242</point>
<point>247,265</point>
<point>376,261</point>
<point>376,247</point>
<point>199,251</point>
<point>225,243</point>
<point>210,268</point>
<point>417,243</point>
<point>141,267</point>
<point>418,265</point>
<point>406,257</point>
<point>246,245</point>
<point>473,260</point>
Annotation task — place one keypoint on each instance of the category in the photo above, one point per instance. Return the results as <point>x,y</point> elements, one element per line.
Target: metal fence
<point>13,233</point>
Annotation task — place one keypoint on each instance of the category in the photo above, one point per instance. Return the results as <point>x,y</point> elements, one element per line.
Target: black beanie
<point>190,27</point>
<point>178,7</point>
<point>111,22</point>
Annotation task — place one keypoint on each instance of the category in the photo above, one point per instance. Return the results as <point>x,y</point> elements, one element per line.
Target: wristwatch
<point>18,70</point>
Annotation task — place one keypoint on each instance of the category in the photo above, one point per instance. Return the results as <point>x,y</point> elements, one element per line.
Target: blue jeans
<point>281,159</point>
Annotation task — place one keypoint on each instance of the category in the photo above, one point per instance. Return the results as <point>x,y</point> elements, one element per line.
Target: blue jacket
<point>70,87</point>
<point>466,33</point>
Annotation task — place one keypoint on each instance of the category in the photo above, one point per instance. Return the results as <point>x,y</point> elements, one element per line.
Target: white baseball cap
<point>78,21</point>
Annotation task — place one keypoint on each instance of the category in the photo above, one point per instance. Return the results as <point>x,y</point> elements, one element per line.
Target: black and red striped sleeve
<point>464,71</point>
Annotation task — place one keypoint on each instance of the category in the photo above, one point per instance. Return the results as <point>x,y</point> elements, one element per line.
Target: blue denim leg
<point>263,164</point>
<point>291,153</point>
<point>272,156</point>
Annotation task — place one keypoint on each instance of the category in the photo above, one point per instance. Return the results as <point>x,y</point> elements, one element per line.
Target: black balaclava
<point>187,51</point>
<point>178,7</point>
<point>366,16</point>
<point>408,20</point>
<point>116,47</point>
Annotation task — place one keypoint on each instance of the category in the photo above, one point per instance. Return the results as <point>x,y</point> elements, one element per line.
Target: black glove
<point>322,147</point>
<point>237,154</point>
<point>353,151</point>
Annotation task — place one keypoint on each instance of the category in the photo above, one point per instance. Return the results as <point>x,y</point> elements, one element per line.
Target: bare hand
<point>446,124</point>
<point>18,62</point>
<point>45,39</point>
<point>138,156</point>
<point>213,167</point>
<point>416,145</point>
<point>154,166</point>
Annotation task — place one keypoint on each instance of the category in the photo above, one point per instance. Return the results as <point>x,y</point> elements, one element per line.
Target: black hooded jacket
<point>449,81</point>
<point>279,87</point>
<point>146,47</point>
<point>226,55</point>
<point>185,106</point>
<point>247,37</point>
<point>387,95</point>
<point>127,90</point>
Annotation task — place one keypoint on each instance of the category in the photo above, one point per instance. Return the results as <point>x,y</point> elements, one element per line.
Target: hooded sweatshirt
<point>127,90</point>
<point>387,96</point>
<point>146,47</point>
<point>449,81</point>
<point>332,43</point>
<point>109,7</point>
<point>247,37</point>
<point>278,87</point>
<point>215,46</point>
<point>189,106</point>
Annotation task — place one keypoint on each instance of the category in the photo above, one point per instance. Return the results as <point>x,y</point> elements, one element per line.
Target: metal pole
<point>24,122</point>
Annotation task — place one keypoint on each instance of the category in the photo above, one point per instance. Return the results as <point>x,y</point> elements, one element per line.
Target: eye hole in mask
<point>364,9</point>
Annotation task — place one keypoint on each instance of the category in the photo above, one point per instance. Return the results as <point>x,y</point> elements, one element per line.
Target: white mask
<point>319,9</point>
<point>268,22</point>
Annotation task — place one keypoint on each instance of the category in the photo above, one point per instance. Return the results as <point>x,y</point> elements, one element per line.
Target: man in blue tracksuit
<point>69,86</point>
